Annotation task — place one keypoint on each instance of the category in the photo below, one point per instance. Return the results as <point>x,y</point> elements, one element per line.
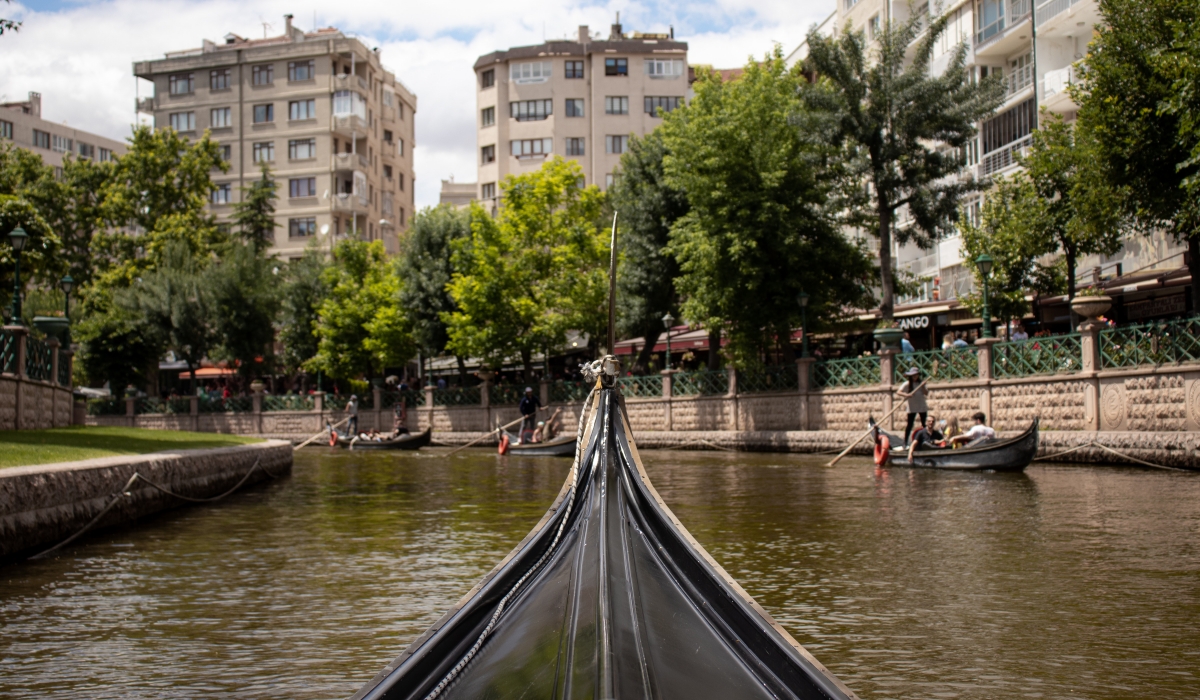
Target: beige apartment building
<point>334,126</point>
<point>21,123</point>
<point>580,99</point>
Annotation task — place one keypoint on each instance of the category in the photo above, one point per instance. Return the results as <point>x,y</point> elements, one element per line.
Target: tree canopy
<point>255,214</point>
<point>425,268</point>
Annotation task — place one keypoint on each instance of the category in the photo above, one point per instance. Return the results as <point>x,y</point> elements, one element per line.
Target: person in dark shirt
<point>529,407</point>
<point>927,433</point>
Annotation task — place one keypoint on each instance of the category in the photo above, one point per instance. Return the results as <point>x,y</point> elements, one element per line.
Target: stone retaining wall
<point>44,504</point>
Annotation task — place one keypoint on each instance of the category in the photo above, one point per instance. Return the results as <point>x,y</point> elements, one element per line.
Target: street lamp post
<point>668,321</point>
<point>802,299</point>
<point>18,238</point>
<point>67,284</point>
<point>984,262</point>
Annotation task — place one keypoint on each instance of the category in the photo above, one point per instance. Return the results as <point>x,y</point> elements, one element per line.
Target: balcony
<point>1002,158</point>
<point>1017,81</point>
<point>924,266</point>
<point>1051,9</point>
<point>145,105</point>
<point>1055,94</point>
<point>349,124</point>
<point>350,161</point>
<point>1003,36</point>
<point>349,203</point>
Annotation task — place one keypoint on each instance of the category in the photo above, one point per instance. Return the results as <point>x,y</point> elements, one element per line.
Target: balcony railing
<point>1003,157</point>
<point>1057,81</point>
<point>350,161</point>
<point>1018,80</point>
<point>1047,10</point>
<point>349,202</point>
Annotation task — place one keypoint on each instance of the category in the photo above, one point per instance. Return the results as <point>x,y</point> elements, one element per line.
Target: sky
<point>78,54</point>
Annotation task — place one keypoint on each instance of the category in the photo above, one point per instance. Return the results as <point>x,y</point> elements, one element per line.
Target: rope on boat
<point>124,493</point>
<point>570,502</point>
<point>1106,448</point>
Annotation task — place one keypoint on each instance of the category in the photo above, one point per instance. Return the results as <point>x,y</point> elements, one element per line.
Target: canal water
<point>1063,582</point>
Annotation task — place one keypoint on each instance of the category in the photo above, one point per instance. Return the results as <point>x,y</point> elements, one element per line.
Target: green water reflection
<point>1059,583</point>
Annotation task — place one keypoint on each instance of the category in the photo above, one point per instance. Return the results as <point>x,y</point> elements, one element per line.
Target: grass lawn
<point>22,447</point>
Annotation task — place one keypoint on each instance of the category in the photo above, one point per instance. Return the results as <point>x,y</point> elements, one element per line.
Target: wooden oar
<point>323,432</point>
<point>881,420</point>
<point>485,436</point>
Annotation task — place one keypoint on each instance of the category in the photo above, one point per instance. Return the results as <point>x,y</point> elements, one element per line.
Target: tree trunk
<point>1194,269</point>
<point>651,332</point>
<point>714,348</point>
<point>527,361</point>
<point>192,374</point>
<point>1070,253</point>
<point>462,370</point>
<point>887,301</point>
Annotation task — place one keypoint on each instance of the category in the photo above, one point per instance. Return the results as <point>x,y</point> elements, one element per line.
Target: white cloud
<point>80,56</point>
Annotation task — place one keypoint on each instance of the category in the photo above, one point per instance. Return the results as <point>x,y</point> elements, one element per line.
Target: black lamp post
<point>67,284</point>
<point>18,238</point>
<point>985,262</point>
<point>802,299</point>
<point>668,321</point>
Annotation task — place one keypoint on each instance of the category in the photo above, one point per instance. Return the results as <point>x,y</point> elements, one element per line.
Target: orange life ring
<point>883,450</point>
<point>332,439</point>
<point>503,449</point>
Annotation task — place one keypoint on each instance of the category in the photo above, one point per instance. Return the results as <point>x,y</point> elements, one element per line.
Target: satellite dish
<point>324,229</point>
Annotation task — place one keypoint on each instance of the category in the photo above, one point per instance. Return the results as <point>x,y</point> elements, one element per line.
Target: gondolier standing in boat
<point>917,406</point>
<point>352,411</point>
<point>530,405</point>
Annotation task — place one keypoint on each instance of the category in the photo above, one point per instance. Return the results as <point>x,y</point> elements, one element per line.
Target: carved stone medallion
<point>1112,406</point>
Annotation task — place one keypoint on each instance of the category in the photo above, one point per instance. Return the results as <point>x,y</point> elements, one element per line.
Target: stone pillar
<point>485,391</point>
<point>731,396</point>
<point>20,333</point>
<point>319,409</point>
<point>194,412</point>
<point>54,346</point>
<point>1089,332</point>
<point>887,371</point>
<point>804,383</point>
<point>666,375</point>
<point>256,402</point>
<point>131,411</point>
<point>377,402</point>
<point>544,391</point>
<point>987,354</point>
<point>429,405</point>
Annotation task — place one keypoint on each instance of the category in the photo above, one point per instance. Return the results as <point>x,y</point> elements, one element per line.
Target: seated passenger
<point>979,433</point>
<point>926,437</point>
<point>949,430</point>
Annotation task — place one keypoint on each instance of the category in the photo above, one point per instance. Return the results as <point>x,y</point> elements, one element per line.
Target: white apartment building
<point>580,99</point>
<point>1035,45</point>
<point>319,108</point>
<point>21,124</point>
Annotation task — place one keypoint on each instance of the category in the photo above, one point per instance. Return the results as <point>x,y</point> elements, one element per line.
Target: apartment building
<point>21,124</point>
<point>458,194</point>
<point>333,124</point>
<point>1035,46</point>
<point>580,99</point>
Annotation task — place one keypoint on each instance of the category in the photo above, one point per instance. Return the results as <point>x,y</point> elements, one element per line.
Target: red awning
<point>208,373</point>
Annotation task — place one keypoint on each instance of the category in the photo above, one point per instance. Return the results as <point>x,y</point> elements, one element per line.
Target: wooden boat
<point>561,446</point>
<point>1005,455</point>
<point>607,597</point>
<point>410,441</point>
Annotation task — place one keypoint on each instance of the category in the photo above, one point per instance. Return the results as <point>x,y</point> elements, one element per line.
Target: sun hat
<point>912,371</point>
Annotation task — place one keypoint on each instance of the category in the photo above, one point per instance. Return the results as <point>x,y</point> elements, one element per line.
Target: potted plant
<point>51,326</point>
<point>889,334</point>
<point>1091,303</point>
<point>257,386</point>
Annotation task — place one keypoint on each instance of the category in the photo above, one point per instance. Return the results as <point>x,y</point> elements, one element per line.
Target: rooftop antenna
<point>266,26</point>
<point>612,288</point>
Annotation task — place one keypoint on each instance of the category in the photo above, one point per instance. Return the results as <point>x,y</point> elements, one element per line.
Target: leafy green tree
<point>8,25</point>
<point>118,346</point>
<point>361,328</point>
<point>757,233</point>
<point>255,214</point>
<point>900,131</point>
<point>646,209</point>
<point>39,261</point>
<point>1144,146</point>
<point>425,268</point>
<point>303,292</point>
<point>245,297</point>
<point>523,279</point>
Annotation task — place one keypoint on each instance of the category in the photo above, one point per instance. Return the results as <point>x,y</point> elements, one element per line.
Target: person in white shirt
<point>1019,333</point>
<point>977,431</point>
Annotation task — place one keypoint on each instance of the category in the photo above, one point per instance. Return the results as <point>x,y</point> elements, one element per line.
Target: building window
<point>220,118</point>
<point>531,148</point>
<point>302,149</point>
<point>616,144</point>
<point>609,178</point>
<point>264,113</point>
<point>6,130</point>
<point>575,107</point>
<point>263,75</point>
<point>487,190</point>
<point>302,187</point>
<point>487,117</point>
<point>183,121</point>
<point>653,104</point>
<point>181,83</point>
<point>487,154</point>
<point>225,150</point>
<point>531,110</point>
<point>41,139</point>
<point>664,67</point>
<point>301,70</point>
<point>400,109</point>
<point>387,172</point>
<point>402,216</point>
<point>222,195</point>
<point>218,79</point>
<point>399,147</point>
<point>264,152</point>
<point>533,72</point>
<point>387,137</point>
<point>348,103</point>
<point>873,27</point>
<point>574,69</point>
<point>106,154</point>
<point>302,109</point>
<point>850,3</point>
<point>302,228</point>
<point>400,181</point>
<point>575,147</point>
<point>62,144</point>
<point>87,150</point>
<point>389,98</point>
<point>487,78</point>
<point>616,105</point>
<point>1013,125</point>
<point>616,66</point>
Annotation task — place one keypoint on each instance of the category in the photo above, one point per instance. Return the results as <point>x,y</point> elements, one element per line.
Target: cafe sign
<point>913,323</point>
<point>1162,306</point>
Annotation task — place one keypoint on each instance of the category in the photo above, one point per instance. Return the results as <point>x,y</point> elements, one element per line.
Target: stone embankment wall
<point>44,504</point>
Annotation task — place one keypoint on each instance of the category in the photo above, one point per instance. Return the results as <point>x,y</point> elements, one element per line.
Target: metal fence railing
<point>1153,343</point>
<point>847,371</point>
<point>288,402</point>
<point>112,406</point>
<point>507,394</point>
<point>64,372</point>
<point>705,382</point>
<point>233,404</point>
<point>644,386</point>
<point>938,365</point>
<point>456,396</point>
<point>8,352</point>
<point>569,392</point>
<point>413,398</point>
<point>1056,354</point>
<point>767,379</point>
<point>39,359</point>
<point>153,405</point>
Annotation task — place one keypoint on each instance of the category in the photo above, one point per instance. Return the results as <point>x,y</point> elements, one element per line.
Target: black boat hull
<point>1007,455</point>
<point>608,597</point>
<point>412,441</point>
<point>563,446</point>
